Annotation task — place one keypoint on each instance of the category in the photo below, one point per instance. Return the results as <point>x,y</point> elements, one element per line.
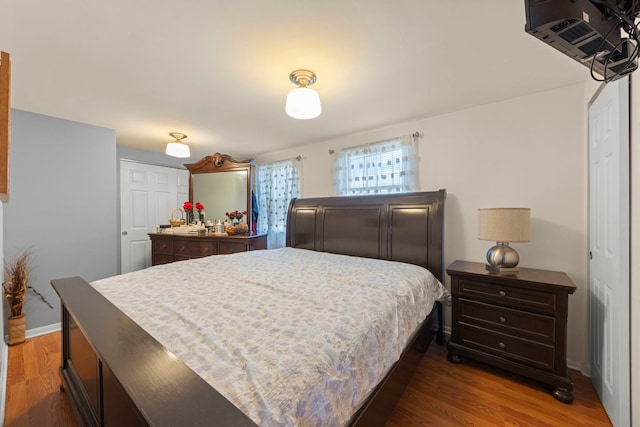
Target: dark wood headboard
<point>406,227</point>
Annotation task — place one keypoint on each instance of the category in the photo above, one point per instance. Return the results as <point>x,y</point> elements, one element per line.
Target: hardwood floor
<point>472,394</point>
<point>440,394</point>
<point>33,385</point>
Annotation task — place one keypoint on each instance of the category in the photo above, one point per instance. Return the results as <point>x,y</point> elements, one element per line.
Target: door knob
<point>124,233</point>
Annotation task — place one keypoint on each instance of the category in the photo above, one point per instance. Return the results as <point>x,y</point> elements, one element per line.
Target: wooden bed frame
<point>117,374</point>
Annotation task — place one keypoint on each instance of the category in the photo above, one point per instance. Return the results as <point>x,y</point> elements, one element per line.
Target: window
<point>389,166</point>
<point>276,184</point>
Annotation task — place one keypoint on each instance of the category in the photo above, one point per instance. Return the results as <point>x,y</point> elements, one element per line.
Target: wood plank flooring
<point>440,394</point>
<point>33,385</point>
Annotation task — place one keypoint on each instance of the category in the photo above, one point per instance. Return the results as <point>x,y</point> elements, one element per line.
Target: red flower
<point>187,206</point>
<point>199,206</point>
<point>235,214</point>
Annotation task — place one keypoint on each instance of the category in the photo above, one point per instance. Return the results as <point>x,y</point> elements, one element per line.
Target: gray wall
<point>62,206</point>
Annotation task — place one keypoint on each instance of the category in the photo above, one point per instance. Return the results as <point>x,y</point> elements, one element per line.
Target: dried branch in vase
<point>17,283</point>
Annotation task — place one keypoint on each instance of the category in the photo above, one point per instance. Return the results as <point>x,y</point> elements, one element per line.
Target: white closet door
<point>609,248</point>
<point>148,195</point>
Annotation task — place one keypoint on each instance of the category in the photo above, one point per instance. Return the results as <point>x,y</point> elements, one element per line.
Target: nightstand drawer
<point>538,327</point>
<point>195,249</point>
<point>524,351</point>
<point>526,299</point>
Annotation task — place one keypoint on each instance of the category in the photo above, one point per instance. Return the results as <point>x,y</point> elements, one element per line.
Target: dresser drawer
<point>195,249</point>
<point>157,259</point>
<point>231,247</point>
<point>526,299</point>
<point>162,246</point>
<point>533,326</point>
<point>524,351</point>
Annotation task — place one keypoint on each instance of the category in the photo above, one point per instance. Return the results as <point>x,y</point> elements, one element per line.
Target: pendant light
<point>178,148</point>
<point>302,102</point>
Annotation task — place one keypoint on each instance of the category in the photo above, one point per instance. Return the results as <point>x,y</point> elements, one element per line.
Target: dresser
<point>166,248</point>
<point>515,321</point>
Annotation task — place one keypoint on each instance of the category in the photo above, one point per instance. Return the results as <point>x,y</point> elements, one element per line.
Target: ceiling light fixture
<point>178,148</point>
<point>302,102</point>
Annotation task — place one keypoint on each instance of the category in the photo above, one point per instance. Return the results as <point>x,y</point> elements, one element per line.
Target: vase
<point>17,329</point>
<point>242,228</point>
<point>189,215</point>
<point>201,216</point>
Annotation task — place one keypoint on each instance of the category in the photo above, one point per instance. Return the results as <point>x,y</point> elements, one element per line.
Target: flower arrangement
<point>17,283</point>
<point>188,211</point>
<point>200,209</point>
<point>237,215</point>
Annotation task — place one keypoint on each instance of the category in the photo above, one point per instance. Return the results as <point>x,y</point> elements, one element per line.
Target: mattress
<point>289,336</point>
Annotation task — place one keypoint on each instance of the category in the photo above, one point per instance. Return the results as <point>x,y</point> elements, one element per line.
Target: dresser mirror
<point>222,184</point>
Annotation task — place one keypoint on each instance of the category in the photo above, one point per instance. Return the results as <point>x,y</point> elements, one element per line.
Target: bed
<point>116,372</point>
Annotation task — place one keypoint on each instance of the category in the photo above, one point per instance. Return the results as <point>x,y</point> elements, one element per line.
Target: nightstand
<point>515,321</point>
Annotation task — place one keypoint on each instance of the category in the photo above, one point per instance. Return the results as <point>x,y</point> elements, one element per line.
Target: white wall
<point>524,152</point>
<point>635,249</point>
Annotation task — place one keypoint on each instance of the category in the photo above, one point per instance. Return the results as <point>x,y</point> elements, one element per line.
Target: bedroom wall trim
<point>36,332</point>
<point>43,330</point>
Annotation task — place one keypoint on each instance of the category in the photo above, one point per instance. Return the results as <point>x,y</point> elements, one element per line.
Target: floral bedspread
<point>289,336</point>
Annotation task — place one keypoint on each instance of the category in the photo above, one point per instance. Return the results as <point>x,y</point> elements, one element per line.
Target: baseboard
<point>43,330</point>
<point>36,332</point>
<point>579,366</point>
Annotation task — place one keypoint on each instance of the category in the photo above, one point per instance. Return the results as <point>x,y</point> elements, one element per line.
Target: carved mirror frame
<point>223,163</point>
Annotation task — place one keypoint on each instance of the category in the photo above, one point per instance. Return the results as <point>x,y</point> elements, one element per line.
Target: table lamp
<point>503,225</point>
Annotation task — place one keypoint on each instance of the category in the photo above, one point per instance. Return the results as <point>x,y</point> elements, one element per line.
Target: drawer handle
<point>502,293</point>
<point>502,345</point>
<point>502,319</point>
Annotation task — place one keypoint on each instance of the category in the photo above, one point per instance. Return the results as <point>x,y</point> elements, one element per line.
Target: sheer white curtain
<point>276,184</point>
<point>389,166</point>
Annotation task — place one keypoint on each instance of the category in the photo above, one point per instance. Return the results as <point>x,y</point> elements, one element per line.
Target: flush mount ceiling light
<point>178,148</point>
<point>302,102</point>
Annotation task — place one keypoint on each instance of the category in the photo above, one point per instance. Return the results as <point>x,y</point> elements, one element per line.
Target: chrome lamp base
<point>502,258</point>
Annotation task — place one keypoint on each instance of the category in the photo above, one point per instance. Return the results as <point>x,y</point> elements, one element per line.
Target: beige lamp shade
<point>504,224</point>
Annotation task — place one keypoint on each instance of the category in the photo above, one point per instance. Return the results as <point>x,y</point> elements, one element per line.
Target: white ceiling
<point>219,70</point>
